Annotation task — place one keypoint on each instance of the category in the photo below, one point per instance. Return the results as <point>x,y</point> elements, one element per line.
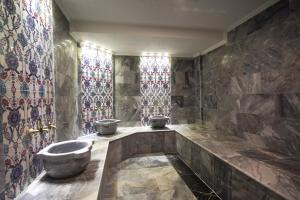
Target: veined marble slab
<point>85,186</point>
<point>160,180</point>
<point>224,157</point>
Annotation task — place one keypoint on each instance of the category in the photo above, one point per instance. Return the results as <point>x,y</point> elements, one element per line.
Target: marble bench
<point>236,170</point>
<point>233,169</point>
<point>106,152</point>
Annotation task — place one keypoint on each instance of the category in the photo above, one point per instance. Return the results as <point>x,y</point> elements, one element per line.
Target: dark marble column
<point>66,79</point>
<point>183,90</point>
<point>294,5</point>
<point>127,90</point>
<point>2,173</point>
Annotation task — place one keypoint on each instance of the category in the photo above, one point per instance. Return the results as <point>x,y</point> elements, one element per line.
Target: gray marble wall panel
<point>140,143</point>
<point>66,79</point>
<point>129,148</point>
<point>2,195</point>
<point>184,149</point>
<point>198,91</point>
<point>143,143</point>
<point>243,187</point>
<point>222,176</point>
<point>2,165</point>
<point>201,162</point>
<point>250,86</point>
<point>170,143</point>
<point>294,4</point>
<point>224,179</point>
<point>157,142</point>
<point>115,152</point>
<point>127,90</point>
<point>2,172</point>
<point>184,99</point>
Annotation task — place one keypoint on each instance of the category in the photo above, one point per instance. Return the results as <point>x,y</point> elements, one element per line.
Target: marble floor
<point>155,177</point>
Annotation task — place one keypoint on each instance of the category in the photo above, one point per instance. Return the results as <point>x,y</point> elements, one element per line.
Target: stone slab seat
<point>235,169</point>
<point>232,168</point>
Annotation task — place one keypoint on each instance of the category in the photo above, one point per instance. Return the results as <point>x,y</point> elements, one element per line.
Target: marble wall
<point>250,86</point>
<point>66,79</point>
<point>228,182</point>
<point>2,170</point>
<point>184,89</point>
<point>27,89</point>
<point>127,97</point>
<point>184,84</point>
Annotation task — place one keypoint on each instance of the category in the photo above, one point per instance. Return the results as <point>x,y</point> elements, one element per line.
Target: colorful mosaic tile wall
<point>26,87</point>
<point>155,86</point>
<point>96,87</point>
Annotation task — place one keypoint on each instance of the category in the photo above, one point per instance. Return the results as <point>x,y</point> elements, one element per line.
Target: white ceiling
<point>180,27</point>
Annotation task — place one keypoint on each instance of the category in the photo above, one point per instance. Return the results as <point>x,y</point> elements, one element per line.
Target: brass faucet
<point>51,126</point>
<point>40,128</point>
<point>31,131</point>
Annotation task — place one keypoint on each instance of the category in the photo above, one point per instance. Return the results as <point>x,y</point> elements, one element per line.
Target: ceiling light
<point>166,54</point>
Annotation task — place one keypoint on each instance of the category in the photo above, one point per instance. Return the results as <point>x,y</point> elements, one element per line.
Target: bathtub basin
<point>158,121</point>
<point>106,126</point>
<point>66,159</point>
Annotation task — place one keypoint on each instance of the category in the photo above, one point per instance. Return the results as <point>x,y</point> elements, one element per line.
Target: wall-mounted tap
<point>31,131</point>
<point>40,127</point>
<point>51,126</point>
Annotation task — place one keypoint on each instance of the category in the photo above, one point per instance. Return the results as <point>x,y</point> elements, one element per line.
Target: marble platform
<point>230,166</point>
<point>86,186</point>
<point>234,168</point>
<point>163,177</point>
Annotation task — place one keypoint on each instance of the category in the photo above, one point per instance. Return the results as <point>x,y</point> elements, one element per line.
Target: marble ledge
<point>123,132</point>
<point>279,173</point>
<point>260,165</point>
<point>85,186</point>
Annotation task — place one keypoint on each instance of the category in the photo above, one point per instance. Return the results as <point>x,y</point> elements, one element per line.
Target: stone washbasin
<point>66,159</point>
<point>158,121</point>
<point>106,126</point>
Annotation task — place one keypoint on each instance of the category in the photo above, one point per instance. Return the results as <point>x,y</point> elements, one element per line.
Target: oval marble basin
<point>158,121</point>
<point>66,159</point>
<point>106,126</point>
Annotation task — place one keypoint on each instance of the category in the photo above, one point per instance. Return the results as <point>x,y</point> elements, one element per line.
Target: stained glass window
<point>155,86</point>
<point>96,86</point>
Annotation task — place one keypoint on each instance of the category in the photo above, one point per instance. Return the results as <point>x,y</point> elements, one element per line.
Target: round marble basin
<point>66,159</point>
<point>106,126</point>
<point>158,121</point>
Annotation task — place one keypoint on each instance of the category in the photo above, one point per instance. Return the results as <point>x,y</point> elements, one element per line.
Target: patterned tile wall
<point>251,86</point>
<point>96,86</point>
<point>155,86</point>
<point>27,92</point>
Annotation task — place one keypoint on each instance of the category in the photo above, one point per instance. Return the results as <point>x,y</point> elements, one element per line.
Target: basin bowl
<point>158,121</point>
<point>66,159</point>
<point>106,126</point>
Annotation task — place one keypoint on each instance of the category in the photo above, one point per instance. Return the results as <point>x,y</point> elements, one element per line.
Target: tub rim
<point>80,153</point>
